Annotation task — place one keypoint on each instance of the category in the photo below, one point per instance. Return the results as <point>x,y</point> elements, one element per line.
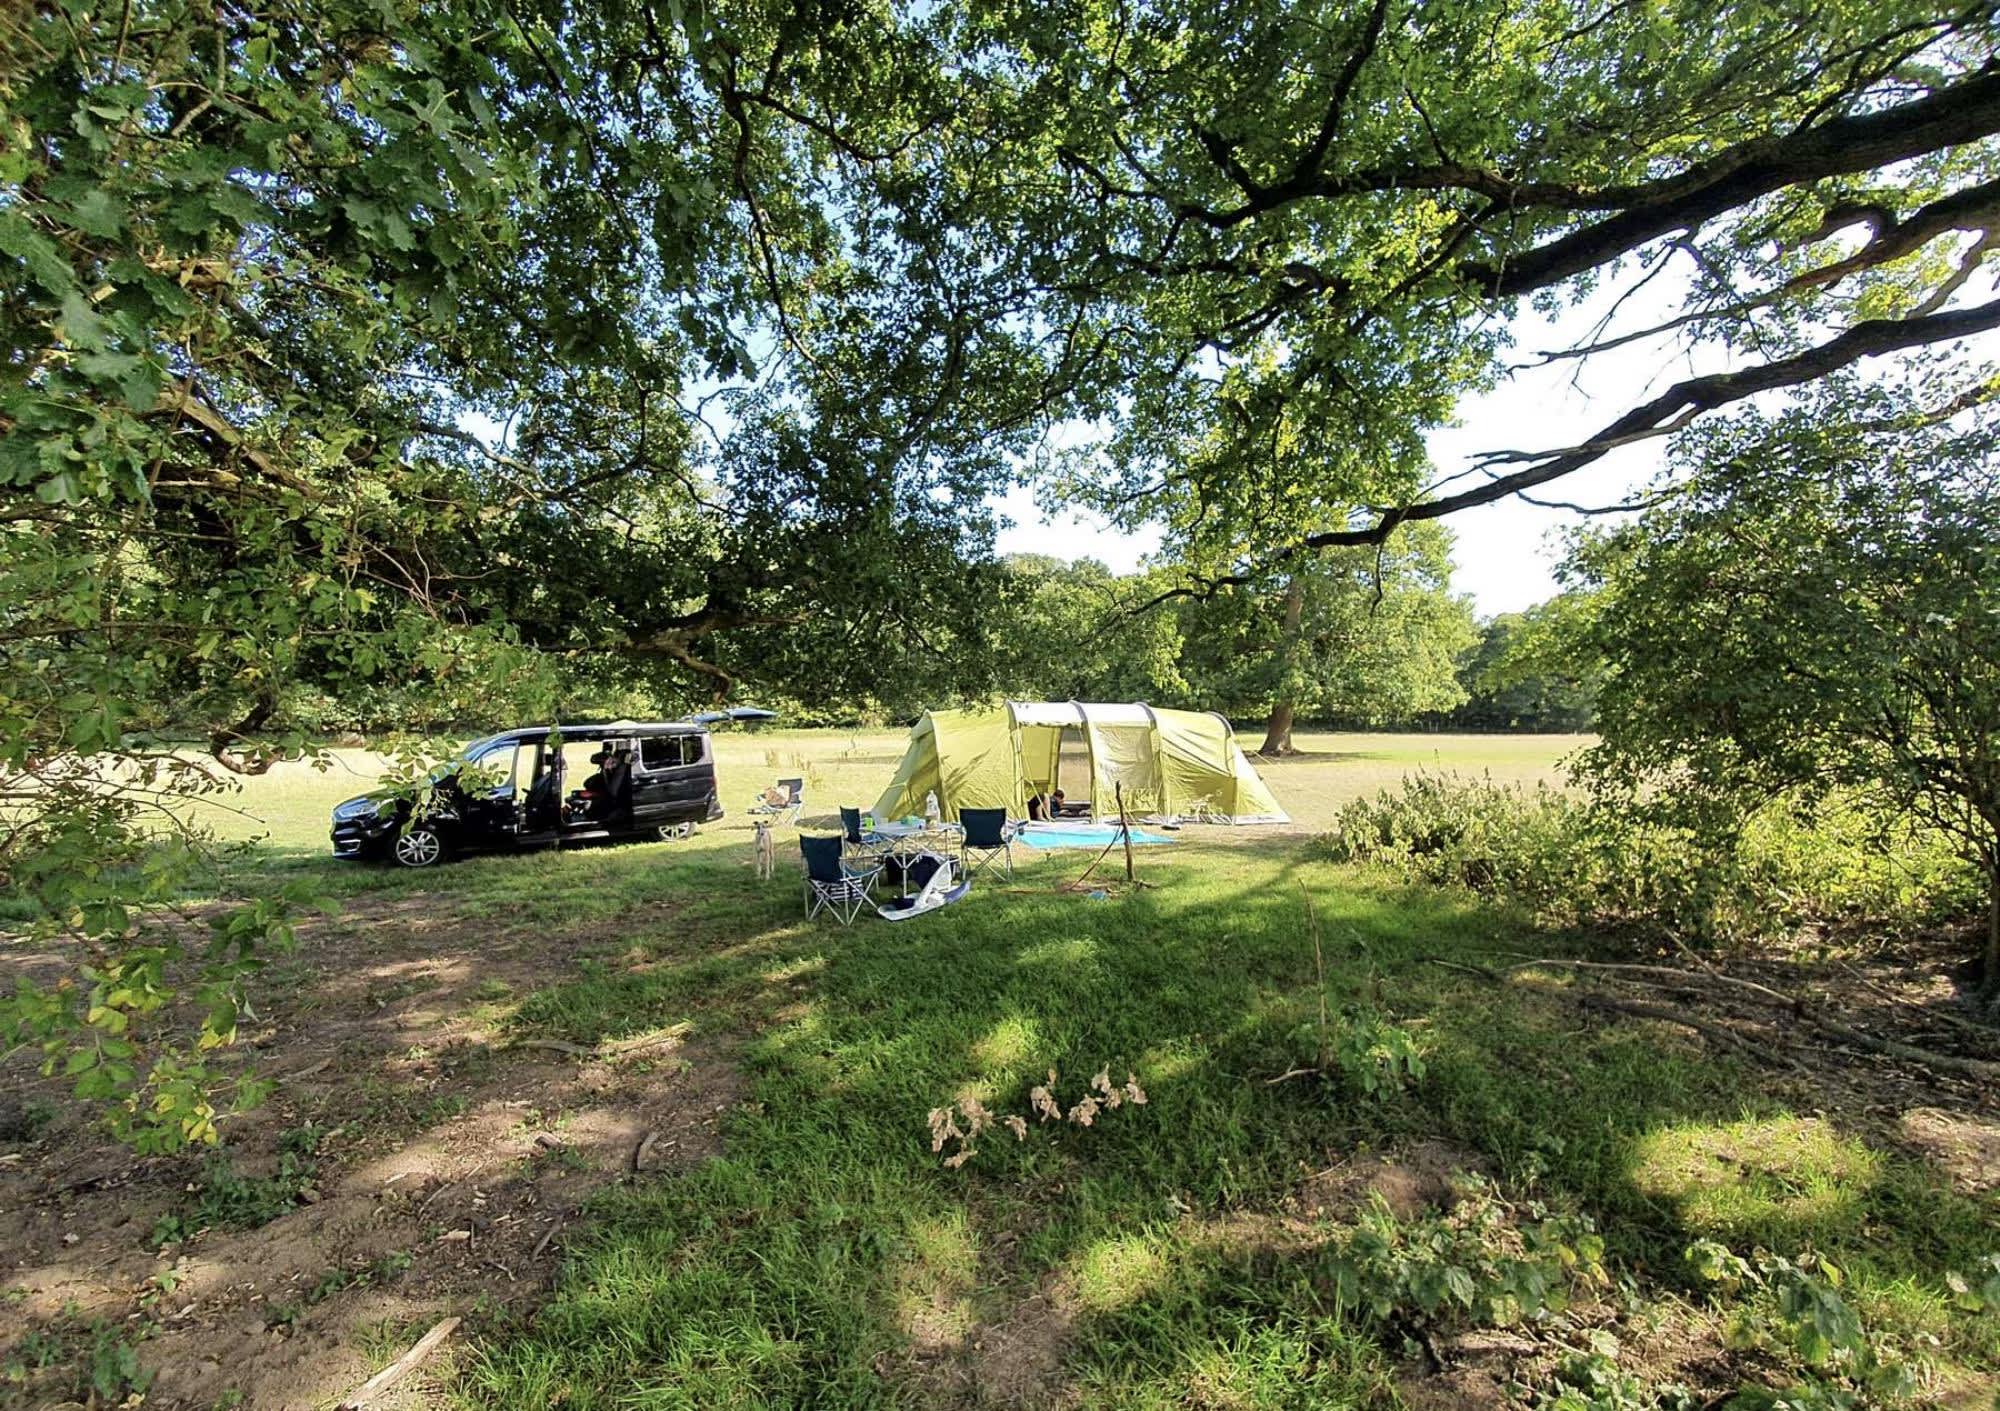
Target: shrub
<point>1571,859</point>
<point>1486,1263</point>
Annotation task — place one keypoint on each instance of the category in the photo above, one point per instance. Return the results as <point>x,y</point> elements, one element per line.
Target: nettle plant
<point>1487,1261</point>
<point>1792,1308</point>
<point>1376,1056</point>
<point>1100,1097</point>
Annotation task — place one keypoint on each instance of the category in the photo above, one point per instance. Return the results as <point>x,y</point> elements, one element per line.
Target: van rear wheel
<point>419,845</point>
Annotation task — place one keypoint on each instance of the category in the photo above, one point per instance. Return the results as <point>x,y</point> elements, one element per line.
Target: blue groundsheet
<point>1080,835</point>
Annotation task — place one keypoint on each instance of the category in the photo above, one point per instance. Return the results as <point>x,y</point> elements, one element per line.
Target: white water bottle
<point>931,808</point>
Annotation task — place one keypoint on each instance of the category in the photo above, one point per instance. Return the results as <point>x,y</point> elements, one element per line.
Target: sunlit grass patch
<point>1007,1046</point>
<point>1763,1179</point>
<point>933,1283</point>
<point>1071,953</point>
<point>1120,1270</point>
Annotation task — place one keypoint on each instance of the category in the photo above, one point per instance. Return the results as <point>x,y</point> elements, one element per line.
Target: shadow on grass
<point>828,1257</point>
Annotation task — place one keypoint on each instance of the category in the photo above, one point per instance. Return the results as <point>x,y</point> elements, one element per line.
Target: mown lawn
<point>1200,1249</point>
<point>287,808</point>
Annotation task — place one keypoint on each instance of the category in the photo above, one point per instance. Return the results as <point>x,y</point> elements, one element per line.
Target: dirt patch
<point>1411,1181</point>
<point>1472,1388</point>
<point>420,1165</point>
<point>1965,1148</point>
<point>1016,1360</point>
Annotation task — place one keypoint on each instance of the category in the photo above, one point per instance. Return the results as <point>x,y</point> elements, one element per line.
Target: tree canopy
<point>1526,672</point>
<point>1816,605</point>
<point>1266,247</point>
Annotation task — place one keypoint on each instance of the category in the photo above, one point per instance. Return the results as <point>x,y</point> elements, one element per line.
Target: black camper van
<point>539,786</point>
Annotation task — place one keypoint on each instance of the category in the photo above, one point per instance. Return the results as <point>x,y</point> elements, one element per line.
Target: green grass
<point>1162,1256</point>
<point>286,809</point>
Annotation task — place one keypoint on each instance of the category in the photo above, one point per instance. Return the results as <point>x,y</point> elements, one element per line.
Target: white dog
<point>766,852</point>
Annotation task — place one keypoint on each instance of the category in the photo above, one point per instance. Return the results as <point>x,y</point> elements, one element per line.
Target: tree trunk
<point>1278,730</point>
<point>1990,980</point>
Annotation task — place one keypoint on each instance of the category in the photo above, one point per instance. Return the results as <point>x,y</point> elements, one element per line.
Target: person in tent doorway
<point>1059,807</point>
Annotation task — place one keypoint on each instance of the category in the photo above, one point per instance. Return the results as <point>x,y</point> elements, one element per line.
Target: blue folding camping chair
<point>868,845</point>
<point>831,885</point>
<point>987,835</point>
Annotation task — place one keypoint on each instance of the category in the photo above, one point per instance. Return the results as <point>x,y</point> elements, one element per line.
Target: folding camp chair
<point>987,835</point>
<point>794,800</point>
<point>870,846</point>
<point>943,882</point>
<point>831,885</point>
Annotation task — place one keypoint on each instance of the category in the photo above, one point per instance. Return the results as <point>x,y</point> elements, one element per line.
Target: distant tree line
<point>1352,640</point>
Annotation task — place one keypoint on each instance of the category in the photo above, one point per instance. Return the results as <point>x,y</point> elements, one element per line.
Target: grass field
<point>1475,1154</point>
<point>288,807</point>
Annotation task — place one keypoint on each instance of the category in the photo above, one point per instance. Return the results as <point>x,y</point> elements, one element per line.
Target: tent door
<point>1073,771</point>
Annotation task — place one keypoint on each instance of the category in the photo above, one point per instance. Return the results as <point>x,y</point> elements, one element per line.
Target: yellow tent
<point>1167,762</point>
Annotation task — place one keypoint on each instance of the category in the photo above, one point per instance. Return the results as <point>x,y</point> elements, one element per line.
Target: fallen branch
<point>1977,1068</point>
<point>1722,1033</point>
<point>621,1049</point>
<point>1792,1002</point>
<point>1943,1016</point>
<point>1947,1062</point>
<point>626,1048</point>
<point>390,1375</point>
<point>1481,971</point>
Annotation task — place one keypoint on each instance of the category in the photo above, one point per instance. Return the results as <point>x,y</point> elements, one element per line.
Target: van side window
<point>665,751</point>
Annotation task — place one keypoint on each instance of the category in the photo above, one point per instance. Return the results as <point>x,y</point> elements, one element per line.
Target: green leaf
<point>81,324</point>
<point>98,213</point>
<point>44,259</point>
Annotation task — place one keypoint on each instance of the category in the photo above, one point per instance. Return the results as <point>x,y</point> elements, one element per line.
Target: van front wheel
<point>419,846</point>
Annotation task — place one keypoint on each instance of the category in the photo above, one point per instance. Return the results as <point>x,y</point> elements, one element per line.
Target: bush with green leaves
<point>1792,1309</point>
<point>1810,611</point>
<point>1571,859</point>
<point>1485,1262</point>
<point>1376,1057</point>
<point>112,1026</point>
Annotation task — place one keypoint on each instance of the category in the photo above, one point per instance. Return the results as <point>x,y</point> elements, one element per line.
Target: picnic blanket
<point>1065,834</point>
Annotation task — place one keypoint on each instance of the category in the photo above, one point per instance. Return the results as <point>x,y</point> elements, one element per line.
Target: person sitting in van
<point>617,785</point>
<point>596,797</point>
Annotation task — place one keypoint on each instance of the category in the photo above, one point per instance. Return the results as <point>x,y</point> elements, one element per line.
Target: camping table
<point>906,840</point>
